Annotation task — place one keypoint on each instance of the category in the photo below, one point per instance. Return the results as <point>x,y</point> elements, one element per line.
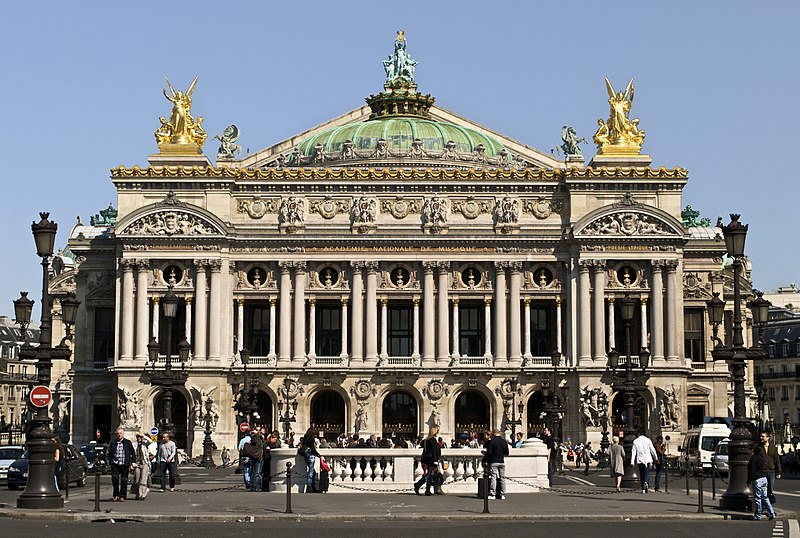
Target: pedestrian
<point>166,455</point>
<point>141,468</point>
<point>643,454</point>
<point>244,461</point>
<point>121,456</point>
<point>757,477</point>
<point>773,464</point>
<point>495,451</point>
<point>61,460</point>
<point>226,456</point>
<point>586,455</point>
<point>519,441</point>
<point>661,461</point>
<point>254,450</point>
<point>431,453</point>
<point>308,449</point>
<point>617,457</point>
<point>549,442</point>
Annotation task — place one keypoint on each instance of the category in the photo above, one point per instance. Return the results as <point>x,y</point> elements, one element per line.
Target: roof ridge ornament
<point>181,134</point>
<point>619,135</point>
<point>399,66</point>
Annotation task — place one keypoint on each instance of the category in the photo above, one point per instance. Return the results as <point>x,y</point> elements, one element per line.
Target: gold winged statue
<point>619,135</point>
<point>180,133</point>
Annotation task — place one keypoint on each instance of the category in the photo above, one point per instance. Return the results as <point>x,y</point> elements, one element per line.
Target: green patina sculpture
<point>571,145</point>
<point>107,217</point>
<point>690,218</point>
<point>399,67</point>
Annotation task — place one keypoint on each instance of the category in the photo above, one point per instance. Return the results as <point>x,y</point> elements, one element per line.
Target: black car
<point>76,464</point>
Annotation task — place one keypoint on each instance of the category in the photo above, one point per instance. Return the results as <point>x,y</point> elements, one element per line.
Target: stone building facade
<point>396,267</point>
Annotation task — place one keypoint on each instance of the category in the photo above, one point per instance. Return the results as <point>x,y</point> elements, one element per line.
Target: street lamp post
<point>208,445</point>
<point>287,408</point>
<point>511,407</point>
<point>245,404</point>
<point>629,387</point>
<point>168,378</point>
<point>40,490</point>
<point>554,404</point>
<point>737,496</point>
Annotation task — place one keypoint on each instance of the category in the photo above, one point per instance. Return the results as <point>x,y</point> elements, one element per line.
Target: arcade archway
<point>471,413</point>
<point>328,414</point>
<point>400,415</point>
<point>180,416</point>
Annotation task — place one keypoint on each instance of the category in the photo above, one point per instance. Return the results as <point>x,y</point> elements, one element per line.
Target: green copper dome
<point>399,133</point>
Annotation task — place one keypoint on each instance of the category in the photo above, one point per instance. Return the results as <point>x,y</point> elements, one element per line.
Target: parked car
<point>76,465</point>
<point>699,445</point>
<point>8,455</point>
<point>721,457</point>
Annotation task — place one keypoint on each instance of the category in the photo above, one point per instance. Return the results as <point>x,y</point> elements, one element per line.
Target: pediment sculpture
<point>170,223</point>
<point>627,223</point>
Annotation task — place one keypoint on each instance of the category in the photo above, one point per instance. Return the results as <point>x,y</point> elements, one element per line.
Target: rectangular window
<point>470,328</point>
<point>694,335</point>
<point>542,328</point>
<point>772,394</point>
<point>399,329</point>
<point>178,331</point>
<point>256,329</point>
<point>103,336</point>
<point>329,329</point>
<point>784,392</point>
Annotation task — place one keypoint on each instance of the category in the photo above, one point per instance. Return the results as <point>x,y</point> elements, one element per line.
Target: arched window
<point>399,415</point>
<point>471,413</point>
<point>328,414</point>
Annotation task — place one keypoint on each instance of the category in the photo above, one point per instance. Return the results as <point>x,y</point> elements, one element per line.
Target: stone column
<point>312,328</point>
<point>456,330</point>
<point>644,342</point>
<point>612,342</point>
<point>343,355</point>
<point>384,328</point>
<point>187,328</point>
<point>285,326</point>
<point>673,304</point>
<point>200,310</point>
<point>142,309</point>
<point>500,338</point>
<point>487,328</point>
<point>515,344</point>
<point>657,306</point>
<point>443,327</point>
<point>599,311</point>
<point>527,356</point>
<point>240,343</point>
<point>215,311</point>
<point>299,318</point>
<point>126,349</point>
<point>371,312</point>
<point>428,314</point>
<point>357,292</point>
<point>415,323</point>
<point>559,330</point>
<point>272,303</point>
<point>584,314</point>
<point>156,306</point>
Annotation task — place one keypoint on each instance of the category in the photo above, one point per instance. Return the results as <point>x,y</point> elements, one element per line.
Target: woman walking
<point>617,457</point>
<point>308,449</point>
<point>141,468</point>
<point>431,453</point>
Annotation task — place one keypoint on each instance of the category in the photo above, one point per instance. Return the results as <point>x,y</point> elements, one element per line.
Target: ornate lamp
<point>644,358</point>
<point>613,359</point>
<point>44,235</point>
<point>716,309</point>
<point>184,347</point>
<point>627,307</point>
<point>23,307</point>
<point>735,234</point>
<point>152,351</point>
<point>170,304</point>
<point>69,309</point>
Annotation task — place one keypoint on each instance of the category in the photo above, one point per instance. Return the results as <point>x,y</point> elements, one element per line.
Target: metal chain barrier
<point>568,491</point>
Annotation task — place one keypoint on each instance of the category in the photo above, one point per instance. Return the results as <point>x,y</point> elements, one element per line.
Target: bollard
<point>687,476</point>
<point>66,481</point>
<point>486,488</point>
<point>713,478</point>
<point>96,484</point>
<point>700,476</point>
<point>666,477</point>
<point>288,488</point>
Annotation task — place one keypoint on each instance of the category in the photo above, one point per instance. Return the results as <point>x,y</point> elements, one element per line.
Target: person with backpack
<point>308,449</point>
<point>431,453</point>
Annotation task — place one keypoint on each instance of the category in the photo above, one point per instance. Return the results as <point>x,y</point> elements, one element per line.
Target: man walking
<point>496,449</point>
<point>643,454</point>
<point>166,455</point>
<point>121,456</point>
<point>549,442</point>
<point>772,464</point>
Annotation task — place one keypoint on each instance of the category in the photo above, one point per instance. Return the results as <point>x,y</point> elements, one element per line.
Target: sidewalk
<point>216,495</point>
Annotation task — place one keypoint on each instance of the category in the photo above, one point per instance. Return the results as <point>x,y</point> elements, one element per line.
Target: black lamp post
<point>208,445</point>
<point>245,405</point>
<point>629,387</point>
<point>511,407</point>
<point>287,408</point>
<point>737,496</point>
<point>40,490</point>
<point>554,404</point>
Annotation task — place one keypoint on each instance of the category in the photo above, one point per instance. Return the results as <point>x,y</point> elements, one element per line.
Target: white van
<point>699,444</point>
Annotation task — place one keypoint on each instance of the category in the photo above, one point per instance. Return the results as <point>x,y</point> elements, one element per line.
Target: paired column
<point>343,355</point>
<point>671,329</point>
<point>312,328</point>
<point>415,324</point>
<point>515,345</point>
<point>487,328</point>
<point>187,328</point>
<point>643,323</point>
<point>584,313</point>
<point>428,313</point>
<point>215,310</point>
<point>142,309</point>
<point>358,310</point>
<point>285,297</point>
<point>156,306</point>
<point>299,348</point>
<point>598,311</point>
<point>384,328</point>
<point>272,303</point>
<point>200,326</point>
<point>443,328</point>
<point>559,330</point>
<point>500,332</point>
<point>612,338</point>
<point>126,349</point>
<point>372,311</point>
<point>657,307</point>
<point>240,325</point>
<point>456,330</point>
<point>527,351</point>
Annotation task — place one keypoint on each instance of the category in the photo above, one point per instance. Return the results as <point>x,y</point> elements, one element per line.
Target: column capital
<point>487,301</point>
<point>657,264</point>
<point>312,300</point>
<point>500,264</point>
<point>643,300</point>
<point>558,300</point>
<point>215,264</point>
<point>200,263</point>
<point>599,265</point>
<point>127,264</point>
<point>584,265</point>
<point>526,300</point>
<point>142,264</point>
<point>611,300</point>
<point>515,266</point>
<point>188,300</point>
<point>299,266</point>
<point>442,266</point>
<point>240,301</point>
<point>372,266</point>
<point>273,301</point>
<point>357,266</point>
<point>157,299</point>
<point>428,266</point>
<point>285,266</point>
<point>671,265</point>
<point>455,301</point>
<point>416,301</point>
<point>345,301</point>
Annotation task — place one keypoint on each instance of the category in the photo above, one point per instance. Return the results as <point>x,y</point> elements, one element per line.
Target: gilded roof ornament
<point>619,135</point>
<point>181,133</point>
<point>399,67</point>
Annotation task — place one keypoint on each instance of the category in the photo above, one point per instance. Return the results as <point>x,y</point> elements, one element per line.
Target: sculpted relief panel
<point>170,223</point>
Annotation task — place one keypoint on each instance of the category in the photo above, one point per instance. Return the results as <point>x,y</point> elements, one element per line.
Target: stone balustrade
<point>390,470</point>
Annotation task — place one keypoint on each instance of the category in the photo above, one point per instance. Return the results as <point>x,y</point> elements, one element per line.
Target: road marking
<point>794,529</point>
<point>777,530</point>
<point>580,481</point>
<point>787,493</point>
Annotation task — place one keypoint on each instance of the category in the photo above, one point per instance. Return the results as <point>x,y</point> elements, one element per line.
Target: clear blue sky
<point>716,91</point>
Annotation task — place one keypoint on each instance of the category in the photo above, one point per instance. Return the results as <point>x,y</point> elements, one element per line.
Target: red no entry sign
<point>244,427</point>
<point>40,396</point>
